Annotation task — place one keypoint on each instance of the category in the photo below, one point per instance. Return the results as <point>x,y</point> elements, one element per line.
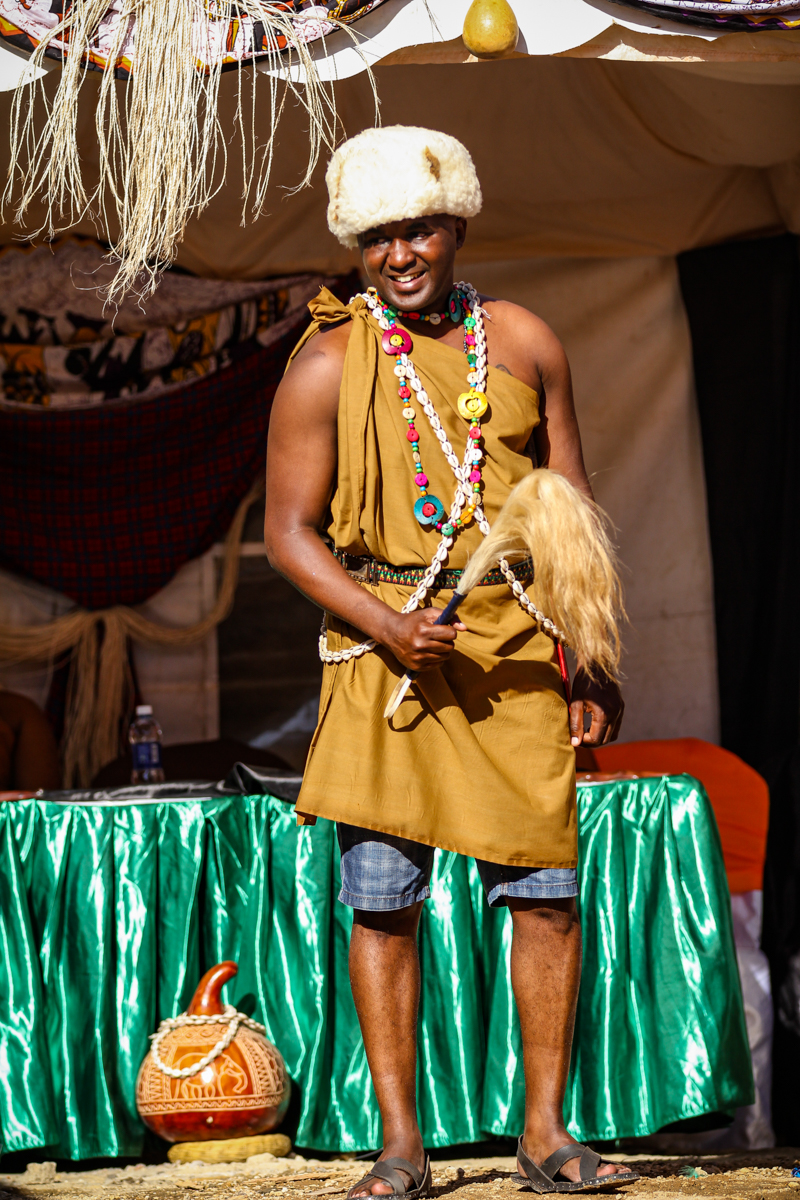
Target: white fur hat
<point>396,172</point>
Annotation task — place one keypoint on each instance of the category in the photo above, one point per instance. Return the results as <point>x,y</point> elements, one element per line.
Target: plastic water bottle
<point>144,736</point>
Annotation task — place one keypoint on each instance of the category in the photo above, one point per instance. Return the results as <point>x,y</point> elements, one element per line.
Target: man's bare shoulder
<point>15,709</point>
<point>523,341</point>
<point>314,377</point>
<point>330,344</point>
<point>515,321</point>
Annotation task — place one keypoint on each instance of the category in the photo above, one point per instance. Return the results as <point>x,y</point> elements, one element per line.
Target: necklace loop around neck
<point>456,309</point>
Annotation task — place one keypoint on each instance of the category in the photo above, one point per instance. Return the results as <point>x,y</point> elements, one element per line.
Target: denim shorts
<point>381,872</point>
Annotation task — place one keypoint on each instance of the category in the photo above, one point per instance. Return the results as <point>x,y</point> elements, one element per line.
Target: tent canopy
<point>428,31</point>
<point>577,158</point>
<point>609,156</point>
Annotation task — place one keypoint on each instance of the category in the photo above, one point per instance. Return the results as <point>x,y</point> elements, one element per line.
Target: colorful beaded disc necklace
<point>464,305</point>
<point>429,509</point>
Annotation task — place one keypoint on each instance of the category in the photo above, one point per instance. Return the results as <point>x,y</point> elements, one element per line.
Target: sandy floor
<point>761,1175</point>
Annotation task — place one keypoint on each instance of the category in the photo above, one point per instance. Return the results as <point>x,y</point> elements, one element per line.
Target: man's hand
<point>600,698</point>
<point>418,642</point>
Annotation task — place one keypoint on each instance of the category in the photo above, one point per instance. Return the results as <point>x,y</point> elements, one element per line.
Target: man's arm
<point>301,476</point>
<point>536,356</point>
<point>558,446</point>
<point>557,437</point>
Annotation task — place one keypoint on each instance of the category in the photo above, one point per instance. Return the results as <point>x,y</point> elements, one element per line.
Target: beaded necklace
<point>429,509</point>
<point>466,501</point>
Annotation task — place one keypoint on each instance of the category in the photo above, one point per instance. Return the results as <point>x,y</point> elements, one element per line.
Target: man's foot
<point>539,1149</point>
<point>408,1148</point>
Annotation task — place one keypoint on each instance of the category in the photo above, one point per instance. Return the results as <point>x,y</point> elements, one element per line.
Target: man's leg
<point>545,973</point>
<point>385,881</point>
<point>384,975</point>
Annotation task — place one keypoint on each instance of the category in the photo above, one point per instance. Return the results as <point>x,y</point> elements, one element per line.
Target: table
<point>111,911</point>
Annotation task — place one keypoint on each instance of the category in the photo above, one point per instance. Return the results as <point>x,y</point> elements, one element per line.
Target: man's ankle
<point>539,1136</point>
<point>403,1143</point>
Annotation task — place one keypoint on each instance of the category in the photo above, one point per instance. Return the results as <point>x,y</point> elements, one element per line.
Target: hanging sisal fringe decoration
<point>100,690</point>
<point>163,154</point>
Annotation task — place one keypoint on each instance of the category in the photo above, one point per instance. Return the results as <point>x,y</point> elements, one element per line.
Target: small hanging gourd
<point>490,29</point>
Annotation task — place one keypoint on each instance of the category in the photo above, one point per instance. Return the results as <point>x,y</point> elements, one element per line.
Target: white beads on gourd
<point>230,1017</point>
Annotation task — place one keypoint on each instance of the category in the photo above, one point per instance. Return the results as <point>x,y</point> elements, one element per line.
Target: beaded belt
<point>369,570</point>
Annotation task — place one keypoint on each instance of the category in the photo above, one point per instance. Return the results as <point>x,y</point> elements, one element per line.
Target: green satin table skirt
<point>110,912</point>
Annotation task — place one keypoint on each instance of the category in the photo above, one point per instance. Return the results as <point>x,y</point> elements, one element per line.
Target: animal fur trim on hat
<point>397,172</point>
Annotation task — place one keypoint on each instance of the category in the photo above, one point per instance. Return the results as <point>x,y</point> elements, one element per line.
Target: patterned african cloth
<point>104,503</point>
<point>727,15</point>
<point>227,34</point>
<point>60,346</point>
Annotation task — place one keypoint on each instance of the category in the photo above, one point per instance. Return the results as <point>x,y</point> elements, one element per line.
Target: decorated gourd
<point>211,1072</point>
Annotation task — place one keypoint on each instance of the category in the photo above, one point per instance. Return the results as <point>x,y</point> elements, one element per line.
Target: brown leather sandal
<point>544,1178</point>
<point>388,1169</point>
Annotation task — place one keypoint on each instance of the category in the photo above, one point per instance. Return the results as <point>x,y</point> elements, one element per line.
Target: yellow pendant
<point>472,405</point>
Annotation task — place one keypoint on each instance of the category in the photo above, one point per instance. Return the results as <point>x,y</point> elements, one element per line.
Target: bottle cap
<point>144,710</point>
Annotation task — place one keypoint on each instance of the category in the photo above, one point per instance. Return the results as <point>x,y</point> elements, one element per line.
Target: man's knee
<point>393,922</point>
<point>557,913</point>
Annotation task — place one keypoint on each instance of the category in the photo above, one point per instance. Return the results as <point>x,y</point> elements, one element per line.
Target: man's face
<point>411,262</point>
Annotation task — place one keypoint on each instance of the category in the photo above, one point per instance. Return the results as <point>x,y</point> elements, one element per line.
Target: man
<point>28,750</point>
<point>479,759</point>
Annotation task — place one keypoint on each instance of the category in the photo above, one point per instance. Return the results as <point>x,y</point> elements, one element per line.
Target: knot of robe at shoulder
<point>326,309</point>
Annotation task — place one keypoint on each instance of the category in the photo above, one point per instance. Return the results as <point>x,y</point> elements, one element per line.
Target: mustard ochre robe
<point>477,759</point>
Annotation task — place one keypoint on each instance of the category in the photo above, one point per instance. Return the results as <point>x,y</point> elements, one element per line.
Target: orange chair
<point>738,794</point>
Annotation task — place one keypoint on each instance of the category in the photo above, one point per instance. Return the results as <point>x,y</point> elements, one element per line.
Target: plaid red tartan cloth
<point>105,504</point>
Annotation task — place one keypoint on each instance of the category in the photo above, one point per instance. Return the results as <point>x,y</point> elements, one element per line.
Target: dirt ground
<point>760,1175</point>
